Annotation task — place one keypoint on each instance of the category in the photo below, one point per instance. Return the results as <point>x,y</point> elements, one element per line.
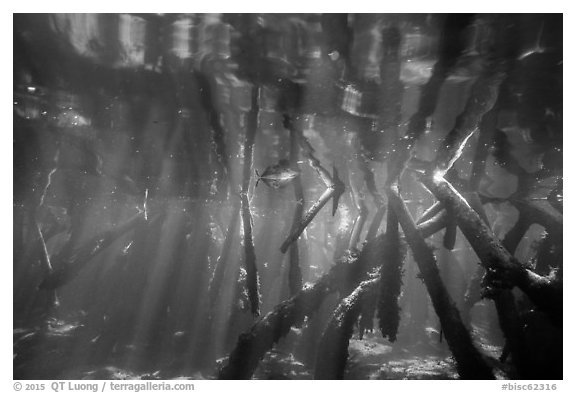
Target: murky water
<point>143,248</point>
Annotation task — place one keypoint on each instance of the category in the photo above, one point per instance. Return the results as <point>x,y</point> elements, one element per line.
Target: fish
<point>278,175</point>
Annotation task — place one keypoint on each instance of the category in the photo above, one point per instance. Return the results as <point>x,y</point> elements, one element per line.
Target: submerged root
<point>343,277</point>
<point>469,361</point>
<point>333,348</point>
<point>391,285</point>
<point>503,270</point>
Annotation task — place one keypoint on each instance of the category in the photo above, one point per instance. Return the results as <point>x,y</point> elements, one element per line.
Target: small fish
<point>278,175</point>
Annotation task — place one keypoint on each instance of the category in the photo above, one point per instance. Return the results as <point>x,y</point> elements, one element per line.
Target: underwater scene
<point>287,196</point>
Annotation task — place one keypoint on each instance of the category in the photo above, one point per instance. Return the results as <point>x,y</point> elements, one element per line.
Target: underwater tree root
<point>370,181</point>
<point>516,233</point>
<point>482,99</point>
<point>430,212</point>
<point>358,223</point>
<point>449,240</point>
<point>344,276</point>
<point>452,45</point>
<point>334,188</point>
<point>294,270</point>
<point>308,217</point>
<point>508,316</point>
<point>538,212</point>
<point>391,279</point>
<point>548,254</point>
<point>503,270</point>
<point>469,361</point>
<point>218,133</point>
<point>252,282</point>
<point>375,224</point>
<point>333,348</point>
<point>254,344</point>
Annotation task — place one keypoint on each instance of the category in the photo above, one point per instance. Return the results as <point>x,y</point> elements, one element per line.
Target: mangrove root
<point>335,188</point>
<point>252,284</point>
<point>343,277</point>
<point>333,349</point>
<point>391,280</point>
<point>469,361</point>
<point>503,271</point>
